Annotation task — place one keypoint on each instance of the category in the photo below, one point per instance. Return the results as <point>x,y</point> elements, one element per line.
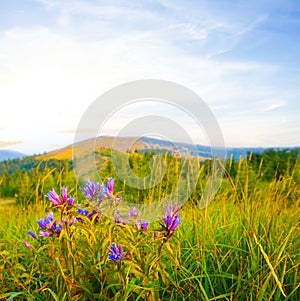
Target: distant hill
<point>146,144</point>
<point>9,154</point>
<point>103,145</point>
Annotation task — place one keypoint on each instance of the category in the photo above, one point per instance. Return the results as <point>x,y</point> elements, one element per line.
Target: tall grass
<point>244,246</point>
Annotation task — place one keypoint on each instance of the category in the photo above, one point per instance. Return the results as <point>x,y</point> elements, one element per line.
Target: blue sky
<point>241,57</point>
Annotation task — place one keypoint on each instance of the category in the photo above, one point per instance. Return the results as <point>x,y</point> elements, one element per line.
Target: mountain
<point>146,144</point>
<point>9,154</point>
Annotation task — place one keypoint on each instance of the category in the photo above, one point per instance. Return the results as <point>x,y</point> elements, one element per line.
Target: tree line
<point>27,180</point>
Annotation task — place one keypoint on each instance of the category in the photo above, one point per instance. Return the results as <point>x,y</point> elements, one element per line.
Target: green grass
<point>244,246</point>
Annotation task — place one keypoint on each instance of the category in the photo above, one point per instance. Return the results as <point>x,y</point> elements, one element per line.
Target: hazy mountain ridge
<point>143,144</point>
<point>10,154</point>
<point>204,150</point>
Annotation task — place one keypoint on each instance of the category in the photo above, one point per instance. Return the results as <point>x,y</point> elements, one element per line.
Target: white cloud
<point>49,75</point>
<point>272,105</point>
<point>51,78</point>
<point>9,143</point>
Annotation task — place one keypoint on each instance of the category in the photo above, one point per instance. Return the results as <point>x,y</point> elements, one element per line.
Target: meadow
<point>245,245</point>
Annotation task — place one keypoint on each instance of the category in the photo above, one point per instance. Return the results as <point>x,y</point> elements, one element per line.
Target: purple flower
<point>91,190</point>
<point>59,228</point>
<point>61,202</point>
<point>64,194</point>
<point>133,213</point>
<point>172,210</point>
<point>31,234</point>
<point>45,223</point>
<point>143,225</point>
<point>171,220</point>
<point>71,202</point>
<point>108,191</point>
<point>111,185</point>
<point>48,223</point>
<point>45,234</point>
<point>86,213</point>
<point>119,220</point>
<point>91,215</point>
<point>53,197</point>
<point>116,253</point>
<point>119,198</point>
<point>26,244</point>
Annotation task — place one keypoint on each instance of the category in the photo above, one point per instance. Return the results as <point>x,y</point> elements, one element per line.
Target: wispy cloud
<point>9,143</point>
<point>73,131</point>
<point>227,52</point>
<point>252,25</point>
<point>274,105</point>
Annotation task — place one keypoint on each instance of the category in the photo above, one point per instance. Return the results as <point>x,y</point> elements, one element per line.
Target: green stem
<point>69,248</point>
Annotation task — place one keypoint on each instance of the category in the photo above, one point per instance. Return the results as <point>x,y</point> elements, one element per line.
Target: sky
<point>240,57</point>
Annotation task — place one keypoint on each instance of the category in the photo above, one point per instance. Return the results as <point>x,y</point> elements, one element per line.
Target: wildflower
<point>91,190</point>
<point>116,253</point>
<point>58,229</point>
<point>44,223</point>
<point>31,234</point>
<point>47,234</point>
<point>86,213</point>
<point>53,197</point>
<point>171,220</point>
<point>26,244</point>
<point>119,198</point>
<point>71,203</point>
<point>111,185</point>
<point>108,190</point>
<point>92,214</point>
<point>143,225</point>
<point>64,194</point>
<point>133,213</point>
<point>63,201</point>
<point>49,224</point>
<point>118,218</point>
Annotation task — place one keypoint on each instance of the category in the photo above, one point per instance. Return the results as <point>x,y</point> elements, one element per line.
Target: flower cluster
<point>49,226</point>
<point>94,192</point>
<point>90,215</point>
<point>139,224</point>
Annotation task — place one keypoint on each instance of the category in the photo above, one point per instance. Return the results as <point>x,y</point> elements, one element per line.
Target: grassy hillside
<point>244,246</point>
<point>145,144</point>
